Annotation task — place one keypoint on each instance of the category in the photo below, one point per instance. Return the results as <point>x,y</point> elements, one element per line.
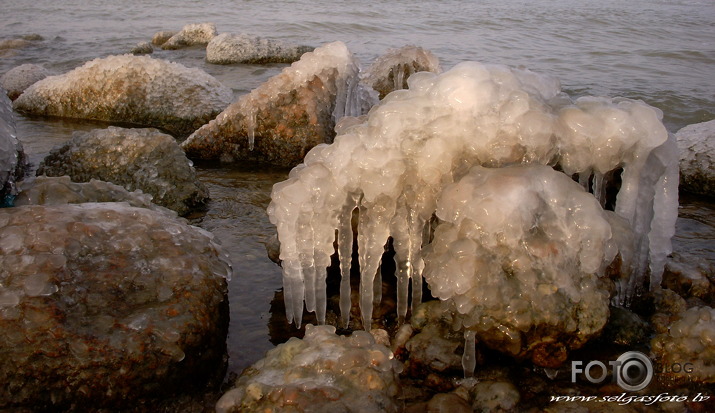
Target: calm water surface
<point>661,51</point>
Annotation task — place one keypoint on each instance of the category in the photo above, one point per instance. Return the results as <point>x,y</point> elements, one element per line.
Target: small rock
<point>142,48</point>
<point>160,38</point>
<point>191,35</point>
<point>390,71</point>
<point>16,80</point>
<point>228,48</point>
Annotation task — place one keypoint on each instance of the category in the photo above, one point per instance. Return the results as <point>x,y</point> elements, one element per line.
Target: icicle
<point>345,254</point>
<point>251,126</point>
<point>599,188</point>
<point>398,76</point>
<point>469,357</point>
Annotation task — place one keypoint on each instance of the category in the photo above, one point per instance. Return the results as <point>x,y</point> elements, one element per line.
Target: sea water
<point>660,51</point>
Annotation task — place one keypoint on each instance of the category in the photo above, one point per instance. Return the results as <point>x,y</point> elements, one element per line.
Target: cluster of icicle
<point>394,165</point>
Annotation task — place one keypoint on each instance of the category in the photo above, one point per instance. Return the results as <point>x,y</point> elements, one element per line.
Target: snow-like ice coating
<point>395,165</point>
<point>323,372</point>
<point>279,121</point>
<point>17,79</point>
<point>190,35</point>
<point>390,71</point>
<point>127,88</point>
<point>143,159</point>
<point>229,48</point>
<point>697,157</point>
<point>12,157</point>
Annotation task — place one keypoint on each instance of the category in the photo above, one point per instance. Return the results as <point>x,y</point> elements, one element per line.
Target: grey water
<point>660,51</point>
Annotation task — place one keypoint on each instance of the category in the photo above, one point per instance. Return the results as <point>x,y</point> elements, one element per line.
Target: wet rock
<point>625,328</point>
<point>7,46</point>
<point>436,345</point>
<point>191,35</point>
<point>690,339</point>
<point>142,48</point>
<point>143,159</point>
<point>697,158</point>
<point>690,276</point>
<point>390,71</point>
<point>288,115</point>
<point>103,305</point>
<point>323,372</point>
<point>494,396</point>
<point>228,48</point>
<point>16,80</point>
<point>161,37</point>
<point>448,403</point>
<point>44,190</point>
<point>13,161</point>
<point>133,89</point>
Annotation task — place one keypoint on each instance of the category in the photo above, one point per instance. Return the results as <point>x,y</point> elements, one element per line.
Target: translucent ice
<point>12,157</point>
<point>127,88</point>
<point>390,71</point>
<point>396,164</point>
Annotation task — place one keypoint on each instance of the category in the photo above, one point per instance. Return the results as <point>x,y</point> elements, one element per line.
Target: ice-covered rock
<point>161,37</point>
<point>13,161</point>
<point>395,165</point>
<point>143,159</point>
<point>323,372</point>
<point>191,35</point>
<point>134,89</point>
<point>228,48</point>
<point>45,190</point>
<point>689,339</point>
<point>279,121</point>
<point>142,48</point>
<point>103,304</point>
<point>16,80</point>
<point>390,71</point>
<point>697,158</point>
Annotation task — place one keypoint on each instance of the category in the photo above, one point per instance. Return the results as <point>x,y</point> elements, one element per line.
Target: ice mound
<point>689,339</point>
<point>323,372</point>
<point>390,71</point>
<point>143,159</point>
<point>697,158</point>
<point>12,158</point>
<point>16,80</point>
<point>395,165</point>
<point>134,89</point>
<point>228,48</point>
<point>102,304</point>
<point>191,35</point>
<point>517,254</point>
<point>279,121</point>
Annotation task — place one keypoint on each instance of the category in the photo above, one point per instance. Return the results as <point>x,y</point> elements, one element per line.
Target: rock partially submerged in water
<point>103,304</point>
<point>133,89</point>
<point>142,48</point>
<point>161,37</point>
<point>697,158</point>
<point>13,161</point>
<point>191,35</point>
<point>16,80</point>
<point>390,71</point>
<point>143,159</point>
<point>228,48</point>
<point>323,372</point>
<point>287,115</point>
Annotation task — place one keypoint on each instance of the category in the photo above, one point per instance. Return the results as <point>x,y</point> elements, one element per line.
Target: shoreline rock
<point>697,158</point>
<point>228,48</point>
<point>16,80</point>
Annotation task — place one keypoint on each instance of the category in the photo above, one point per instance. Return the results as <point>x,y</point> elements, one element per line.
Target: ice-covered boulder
<point>161,37</point>
<point>16,80</point>
<point>228,48</point>
<point>13,161</point>
<point>133,89</point>
<point>323,372</point>
<point>394,166</point>
<point>697,158</point>
<point>279,121</point>
<point>103,305</point>
<point>143,159</point>
<point>191,35</point>
<point>142,48</point>
<point>690,339</point>
<point>390,71</point>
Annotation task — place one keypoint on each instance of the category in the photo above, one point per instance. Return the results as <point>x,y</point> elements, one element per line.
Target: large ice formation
<point>697,158</point>
<point>395,166</point>
<point>104,303</point>
<point>390,71</point>
<point>229,48</point>
<point>323,372</point>
<point>191,35</point>
<point>143,159</point>
<point>134,89</point>
<point>16,80</point>
<point>279,121</point>
<point>13,161</point>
